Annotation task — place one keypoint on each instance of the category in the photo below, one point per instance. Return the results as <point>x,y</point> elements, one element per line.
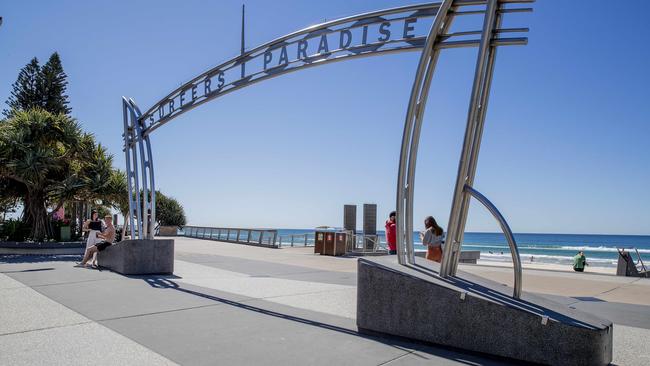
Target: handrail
<point>259,237</point>
<point>506,231</point>
<point>305,239</point>
<point>358,243</point>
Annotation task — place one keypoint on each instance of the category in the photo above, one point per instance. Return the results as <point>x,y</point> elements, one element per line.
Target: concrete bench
<point>475,314</point>
<point>139,257</point>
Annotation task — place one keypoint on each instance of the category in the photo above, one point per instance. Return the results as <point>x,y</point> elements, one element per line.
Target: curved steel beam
<point>411,135</point>
<point>476,144</point>
<point>148,182</point>
<point>454,231</point>
<point>131,154</point>
<point>514,251</point>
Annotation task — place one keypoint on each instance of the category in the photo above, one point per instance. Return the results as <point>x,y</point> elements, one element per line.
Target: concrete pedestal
<point>471,313</point>
<point>139,257</point>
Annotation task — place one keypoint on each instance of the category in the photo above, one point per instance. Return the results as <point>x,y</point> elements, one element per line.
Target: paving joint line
<point>157,312</point>
<point>395,358</point>
<point>46,328</point>
<point>75,282</point>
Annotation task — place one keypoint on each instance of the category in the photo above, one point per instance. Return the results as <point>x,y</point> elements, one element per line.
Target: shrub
<point>169,212</point>
<point>14,230</point>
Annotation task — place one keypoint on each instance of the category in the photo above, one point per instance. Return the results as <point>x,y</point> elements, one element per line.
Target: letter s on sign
<point>383,29</point>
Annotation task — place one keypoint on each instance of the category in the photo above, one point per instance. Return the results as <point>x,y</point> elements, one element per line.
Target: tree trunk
<point>35,215</point>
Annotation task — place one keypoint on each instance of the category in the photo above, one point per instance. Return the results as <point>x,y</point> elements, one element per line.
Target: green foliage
<point>48,160</point>
<point>169,212</point>
<point>40,87</point>
<point>26,93</point>
<point>14,230</point>
<point>53,81</point>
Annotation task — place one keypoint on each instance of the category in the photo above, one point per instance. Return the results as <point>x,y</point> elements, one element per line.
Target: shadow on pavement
<point>405,345</point>
<point>9,259</point>
<point>29,270</point>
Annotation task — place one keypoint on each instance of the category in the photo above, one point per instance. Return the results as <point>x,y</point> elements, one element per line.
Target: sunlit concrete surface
<point>232,304</point>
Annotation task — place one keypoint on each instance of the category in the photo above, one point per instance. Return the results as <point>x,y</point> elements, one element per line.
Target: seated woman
<point>92,227</point>
<point>432,237</point>
<point>108,237</point>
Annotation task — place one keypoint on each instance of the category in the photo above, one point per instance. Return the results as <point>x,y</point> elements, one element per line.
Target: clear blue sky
<point>566,147</point>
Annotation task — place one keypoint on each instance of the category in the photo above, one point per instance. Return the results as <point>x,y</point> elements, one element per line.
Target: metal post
<point>454,236</point>
<point>128,141</point>
<point>404,218</point>
<point>132,165</point>
<point>243,64</point>
<point>238,233</point>
<point>146,156</point>
<point>145,190</point>
<point>476,144</point>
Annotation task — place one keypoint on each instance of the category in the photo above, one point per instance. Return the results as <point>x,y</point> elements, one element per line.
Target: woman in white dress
<point>92,227</point>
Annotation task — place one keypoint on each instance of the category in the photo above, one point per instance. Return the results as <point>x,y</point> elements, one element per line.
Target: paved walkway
<point>229,304</point>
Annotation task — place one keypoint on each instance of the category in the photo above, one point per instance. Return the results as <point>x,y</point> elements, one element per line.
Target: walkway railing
<point>364,244</point>
<point>261,237</point>
<point>305,240</point>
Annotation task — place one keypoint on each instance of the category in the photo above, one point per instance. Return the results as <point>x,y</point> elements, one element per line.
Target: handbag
<point>434,253</point>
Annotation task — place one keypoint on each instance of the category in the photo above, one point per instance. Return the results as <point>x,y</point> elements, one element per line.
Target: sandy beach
<point>549,267</point>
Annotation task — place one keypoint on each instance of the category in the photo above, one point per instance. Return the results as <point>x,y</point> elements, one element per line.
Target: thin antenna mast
<point>243,64</point>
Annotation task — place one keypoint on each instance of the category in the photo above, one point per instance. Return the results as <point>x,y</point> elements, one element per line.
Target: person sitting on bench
<point>108,237</point>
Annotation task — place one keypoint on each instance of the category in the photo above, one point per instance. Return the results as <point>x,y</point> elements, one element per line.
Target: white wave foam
<point>543,258</point>
<point>523,246</point>
<point>598,249</point>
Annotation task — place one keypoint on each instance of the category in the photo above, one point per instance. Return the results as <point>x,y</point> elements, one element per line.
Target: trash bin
<point>328,247</point>
<point>340,243</point>
<point>319,242</point>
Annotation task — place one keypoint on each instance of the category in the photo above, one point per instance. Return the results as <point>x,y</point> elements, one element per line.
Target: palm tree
<point>117,195</point>
<point>48,159</point>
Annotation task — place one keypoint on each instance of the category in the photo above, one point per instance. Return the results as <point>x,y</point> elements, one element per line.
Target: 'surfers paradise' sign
<point>377,34</point>
<point>424,27</point>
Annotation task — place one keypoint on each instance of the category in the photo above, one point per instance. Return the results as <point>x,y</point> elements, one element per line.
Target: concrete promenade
<point>230,304</point>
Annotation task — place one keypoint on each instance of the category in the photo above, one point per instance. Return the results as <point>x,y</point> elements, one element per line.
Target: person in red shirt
<point>391,233</point>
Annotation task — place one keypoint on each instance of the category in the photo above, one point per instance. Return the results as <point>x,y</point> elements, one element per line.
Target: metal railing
<point>305,240</point>
<point>260,237</point>
<point>516,261</point>
<point>361,243</point>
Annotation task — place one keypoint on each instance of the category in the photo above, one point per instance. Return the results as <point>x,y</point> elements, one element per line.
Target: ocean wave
<point>600,249</point>
<point>521,246</point>
<point>544,258</point>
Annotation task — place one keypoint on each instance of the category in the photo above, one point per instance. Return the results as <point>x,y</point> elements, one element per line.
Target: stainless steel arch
<point>471,146</point>
<point>213,84</point>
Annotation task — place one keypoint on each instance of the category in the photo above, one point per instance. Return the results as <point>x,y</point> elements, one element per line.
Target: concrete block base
<point>139,257</point>
<point>471,313</point>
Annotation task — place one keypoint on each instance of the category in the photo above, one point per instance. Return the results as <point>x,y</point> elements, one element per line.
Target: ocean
<point>600,250</point>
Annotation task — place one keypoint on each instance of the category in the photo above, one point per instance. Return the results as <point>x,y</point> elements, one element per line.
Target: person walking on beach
<point>391,233</point>
<point>579,262</point>
<point>432,237</point>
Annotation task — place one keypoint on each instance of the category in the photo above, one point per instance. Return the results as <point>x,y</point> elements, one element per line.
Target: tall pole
<point>243,64</point>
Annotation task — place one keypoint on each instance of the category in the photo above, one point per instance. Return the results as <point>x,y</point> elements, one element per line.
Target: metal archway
<point>369,34</point>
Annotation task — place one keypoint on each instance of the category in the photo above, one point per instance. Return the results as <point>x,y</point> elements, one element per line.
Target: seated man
<point>108,237</point>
